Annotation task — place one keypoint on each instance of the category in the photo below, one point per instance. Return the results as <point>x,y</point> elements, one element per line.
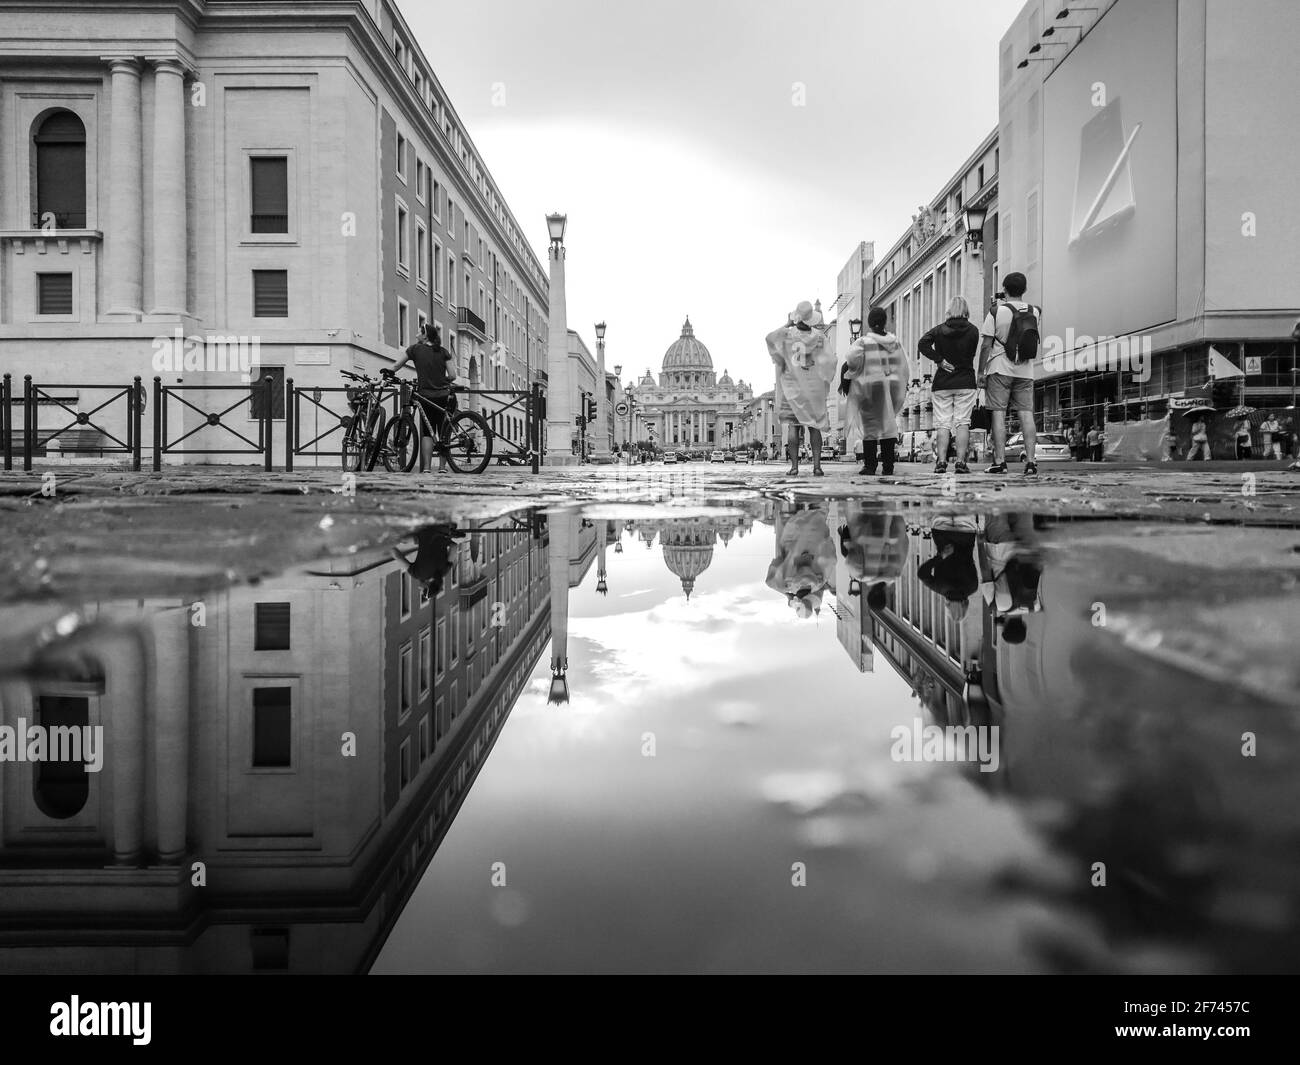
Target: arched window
<point>61,788</point>
<point>60,171</point>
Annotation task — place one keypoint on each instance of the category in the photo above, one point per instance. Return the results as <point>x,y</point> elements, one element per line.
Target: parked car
<point>717,456</point>
<point>1050,447</point>
<point>670,458</point>
<point>829,454</point>
<point>729,456</point>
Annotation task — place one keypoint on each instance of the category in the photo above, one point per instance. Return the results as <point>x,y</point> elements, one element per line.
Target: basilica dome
<point>687,353</point>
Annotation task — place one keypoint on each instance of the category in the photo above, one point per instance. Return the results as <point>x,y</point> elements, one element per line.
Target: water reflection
<point>283,761</point>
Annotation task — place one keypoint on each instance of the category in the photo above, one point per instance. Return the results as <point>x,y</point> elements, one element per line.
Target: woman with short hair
<point>953,345</point>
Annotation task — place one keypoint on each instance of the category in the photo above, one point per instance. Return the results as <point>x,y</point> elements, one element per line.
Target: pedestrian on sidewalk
<point>1095,452</point>
<point>1010,346</point>
<point>953,345</point>
<point>1242,433</point>
<point>1271,431</point>
<point>1074,437</point>
<point>1200,440</point>
<point>805,366</point>
<point>874,378</point>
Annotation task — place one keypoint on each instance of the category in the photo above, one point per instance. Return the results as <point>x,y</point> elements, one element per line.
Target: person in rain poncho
<point>875,549</point>
<point>805,558</point>
<point>874,379</point>
<point>805,366</point>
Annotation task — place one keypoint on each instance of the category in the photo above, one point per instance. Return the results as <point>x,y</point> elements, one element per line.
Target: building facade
<point>936,260</point>
<point>214,192</point>
<point>690,405</point>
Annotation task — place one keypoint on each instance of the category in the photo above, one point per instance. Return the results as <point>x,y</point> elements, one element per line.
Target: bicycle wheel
<point>353,447</point>
<point>399,446</point>
<point>469,443</point>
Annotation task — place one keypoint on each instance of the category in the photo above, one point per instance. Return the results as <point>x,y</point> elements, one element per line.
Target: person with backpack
<point>1009,347</point>
<point>952,345</point>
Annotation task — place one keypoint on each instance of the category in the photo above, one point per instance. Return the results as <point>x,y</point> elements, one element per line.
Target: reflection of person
<point>433,545</point>
<point>874,378</point>
<point>1200,440</point>
<point>805,365</point>
<point>951,570</point>
<point>805,558</point>
<point>875,549</point>
<point>1011,572</point>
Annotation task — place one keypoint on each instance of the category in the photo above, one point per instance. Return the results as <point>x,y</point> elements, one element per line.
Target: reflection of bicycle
<point>365,422</point>
<point>463,437</point>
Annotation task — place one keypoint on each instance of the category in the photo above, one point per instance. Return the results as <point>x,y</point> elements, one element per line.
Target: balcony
<point>468,321</point>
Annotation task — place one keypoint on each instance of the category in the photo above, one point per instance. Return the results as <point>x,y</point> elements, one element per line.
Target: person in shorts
<point>1007,385</point>
<point>435,373</point>
<point>952,345</point>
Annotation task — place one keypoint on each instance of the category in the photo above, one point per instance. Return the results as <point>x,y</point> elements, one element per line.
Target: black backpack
<point>1023,342</point>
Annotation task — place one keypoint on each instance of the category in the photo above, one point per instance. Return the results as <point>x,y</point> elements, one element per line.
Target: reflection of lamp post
<point>600,448</point>
<point>559,416</point>
<point>561,526</point>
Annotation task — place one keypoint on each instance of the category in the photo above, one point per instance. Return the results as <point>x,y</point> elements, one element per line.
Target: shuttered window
<point>54,293</point>
<point>272,728</point>
<point>270,293</point>
<point>271,627</point>
<point>270,194</point>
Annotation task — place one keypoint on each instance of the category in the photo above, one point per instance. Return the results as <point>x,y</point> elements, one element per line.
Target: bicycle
<point>365,423</point>
<point>463,437</point>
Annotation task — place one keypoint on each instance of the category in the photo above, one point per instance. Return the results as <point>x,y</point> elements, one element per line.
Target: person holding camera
<point>1006,368</point>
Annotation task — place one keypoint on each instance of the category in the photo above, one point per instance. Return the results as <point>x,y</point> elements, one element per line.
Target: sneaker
<point>941,467</point>
<point>962,468</point>
<point>997,467</point>
<point>888,471</point>
<point>1031,469</point>
<point>867,471</point>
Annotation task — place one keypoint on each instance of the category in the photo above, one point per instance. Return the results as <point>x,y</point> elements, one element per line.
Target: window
<point>439,719</point>
<point>421,255</point>
<point>979,176</point>
<point>271,627</point>
<point>61,788</point>
<point>399,52</point>
<point>426,661</point>
<point>440,646</point>
<point>269,194</point>
<point>404,758</point>
<point>270,293</point>
<point>451,216</point>
<point>60,171</point>
<point>451,280</point>
<point>437,201</point>
<point>421,320</point>
<point>404,585</point>
<point>454,629</point>
<point>53,293</point>
<point>403,324</point>
<point>405,677</point>
<point>424,738</point>
<point>437,269</point>
<point>272,728</point>
<point>257,407</point>
<point>419,179</point>
<point>403,224</point>
<point>401,157</point>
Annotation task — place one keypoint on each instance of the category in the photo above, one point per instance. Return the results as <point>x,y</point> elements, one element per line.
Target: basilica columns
<point>169,248</point>
<point>124,246</point>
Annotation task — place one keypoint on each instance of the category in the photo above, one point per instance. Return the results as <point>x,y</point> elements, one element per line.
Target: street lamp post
<point>600,449</point>
<point>559,416</point>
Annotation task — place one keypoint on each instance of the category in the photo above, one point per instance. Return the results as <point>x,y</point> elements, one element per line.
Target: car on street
<point>829,454</point>
<point>729,456</point>
<point>670,458</point>
<point>1050,447</point>
<point>717,456</point>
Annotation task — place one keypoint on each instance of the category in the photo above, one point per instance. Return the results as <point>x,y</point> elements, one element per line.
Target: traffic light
<point>591,410</point>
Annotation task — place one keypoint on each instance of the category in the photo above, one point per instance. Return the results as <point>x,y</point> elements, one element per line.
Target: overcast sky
<point>671,135</point>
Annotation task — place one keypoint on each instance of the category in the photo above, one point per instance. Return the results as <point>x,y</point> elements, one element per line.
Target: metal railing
<point>83,421</point>
<point>317,406</point>
<point>163,396</point>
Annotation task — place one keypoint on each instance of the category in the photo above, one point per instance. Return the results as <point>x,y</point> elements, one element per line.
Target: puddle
<point>779,736</point>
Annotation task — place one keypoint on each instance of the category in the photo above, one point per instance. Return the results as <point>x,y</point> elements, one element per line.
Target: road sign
<point>1254,365</point>
<point>621,408</point>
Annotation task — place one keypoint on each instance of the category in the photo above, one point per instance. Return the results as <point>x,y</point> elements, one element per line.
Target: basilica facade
<point>690,406</point>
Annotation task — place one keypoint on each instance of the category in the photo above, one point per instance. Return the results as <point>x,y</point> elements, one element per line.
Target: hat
<point>806,313</point>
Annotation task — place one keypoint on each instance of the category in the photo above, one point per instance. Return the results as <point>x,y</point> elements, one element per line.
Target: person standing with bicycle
<point>435,373</point>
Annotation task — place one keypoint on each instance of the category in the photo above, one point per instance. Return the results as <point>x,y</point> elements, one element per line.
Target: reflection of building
<point>932,262</point>
<point>687,543</point>
<point>691,405</point>
<point>309,743</point>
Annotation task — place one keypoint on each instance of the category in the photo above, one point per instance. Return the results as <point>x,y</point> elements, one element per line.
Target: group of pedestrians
<point>996,359</point>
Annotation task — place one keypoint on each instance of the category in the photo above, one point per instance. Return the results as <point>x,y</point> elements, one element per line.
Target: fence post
<point>290,424</point>
<point>6,420</point>
<point>137,394</point>
<point>535,426</point>
<point>267,413</point>
<point>29,422</point>
<point>157,424</point>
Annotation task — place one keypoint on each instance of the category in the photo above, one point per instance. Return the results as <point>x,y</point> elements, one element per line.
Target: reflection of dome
<point>687,353</point>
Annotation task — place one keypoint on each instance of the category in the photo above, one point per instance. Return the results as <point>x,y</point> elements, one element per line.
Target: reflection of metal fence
<point>164,395</point>
<point>83,434</point>
<point>314,405</point>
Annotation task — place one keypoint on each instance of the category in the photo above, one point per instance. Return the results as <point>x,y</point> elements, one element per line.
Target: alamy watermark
<point>212,353</point>
<point>57,743</point>
<point>1078,352</point>
<point>920,742</point>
